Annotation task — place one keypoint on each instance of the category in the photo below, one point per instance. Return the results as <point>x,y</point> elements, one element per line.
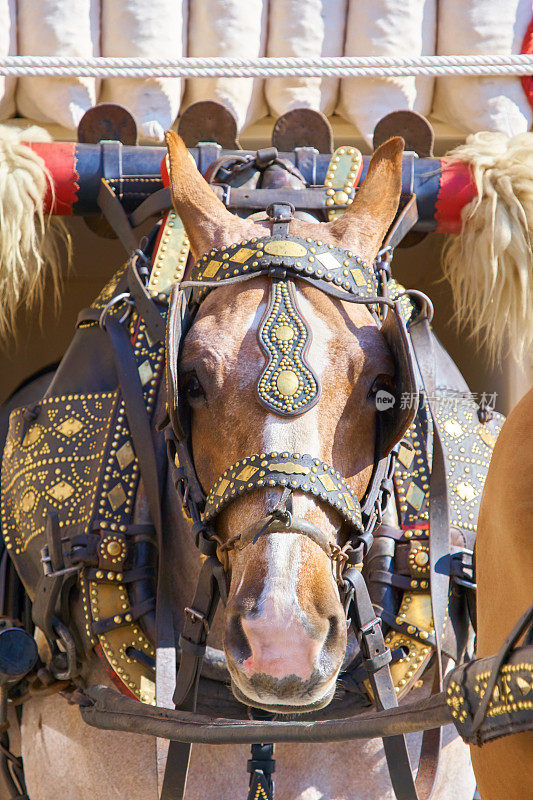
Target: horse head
<point>285,625</point>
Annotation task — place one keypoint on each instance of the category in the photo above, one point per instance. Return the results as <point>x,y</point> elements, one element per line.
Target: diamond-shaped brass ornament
<point>453,428</point>
<point>61,491</point>
<point>242,255</point>
<point>116,496</point>
<point>146,372</point>
<point>212,268</point>
<point>327,482</point>
<point>222,487</point>
<point>246,473</point>
<point>70,427</point>
<point>358,277</point>
<point>328,260</point>
<point>465,491</point>
<point>405,456</point>
<point>125,455</point>
<point>415,496</point>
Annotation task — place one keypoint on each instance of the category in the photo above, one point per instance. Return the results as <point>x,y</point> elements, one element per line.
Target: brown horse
<point>284,628</point>
<point>504,566</point>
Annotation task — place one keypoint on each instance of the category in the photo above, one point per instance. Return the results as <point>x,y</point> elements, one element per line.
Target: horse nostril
<point>236,639</point>
<point>333,631</point>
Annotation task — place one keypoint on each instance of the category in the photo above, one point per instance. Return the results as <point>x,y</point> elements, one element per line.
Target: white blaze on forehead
<point>301,434</point>
<point>248,368</point>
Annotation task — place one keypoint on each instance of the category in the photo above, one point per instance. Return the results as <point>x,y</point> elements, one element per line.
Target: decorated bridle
<point>287,387</point>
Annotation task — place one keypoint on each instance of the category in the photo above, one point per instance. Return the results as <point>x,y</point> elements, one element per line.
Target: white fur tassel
<point>490,263</point>
<point>30,241</point>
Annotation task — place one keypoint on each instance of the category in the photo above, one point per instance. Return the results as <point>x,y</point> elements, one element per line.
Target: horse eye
<point>192,386</point>
<point>382,382</point>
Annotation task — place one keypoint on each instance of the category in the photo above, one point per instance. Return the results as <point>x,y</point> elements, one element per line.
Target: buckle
<point>196,616</point>
<point>370,627</point>
<point>280,211</point>
<point>462,569</point>
<point>123,297</point>
<point>46,563</point>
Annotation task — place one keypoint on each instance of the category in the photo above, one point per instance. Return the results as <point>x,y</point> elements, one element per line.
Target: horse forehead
<point>223,321</point>
<point>229,318</point>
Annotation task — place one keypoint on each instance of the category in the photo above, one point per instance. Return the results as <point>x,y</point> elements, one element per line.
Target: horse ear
<point>366,221</point>
<point>207,221</point>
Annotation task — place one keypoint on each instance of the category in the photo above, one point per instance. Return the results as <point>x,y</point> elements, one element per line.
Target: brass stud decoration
<point>287,386</point>
<point>294,470</point>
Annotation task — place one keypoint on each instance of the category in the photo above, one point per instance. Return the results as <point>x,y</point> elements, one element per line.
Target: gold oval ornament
<point>284,333</point>
<point>283,247</point>
<point>287,382</point>
<point>28,501</point>
<point>340,198</point>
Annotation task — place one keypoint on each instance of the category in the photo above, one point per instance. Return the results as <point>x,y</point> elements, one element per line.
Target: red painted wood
<point>456,190</point>
<point>61,160</point>
<point>527,50</point>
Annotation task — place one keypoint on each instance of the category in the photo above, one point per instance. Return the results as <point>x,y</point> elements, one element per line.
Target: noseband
<point>287,387</point>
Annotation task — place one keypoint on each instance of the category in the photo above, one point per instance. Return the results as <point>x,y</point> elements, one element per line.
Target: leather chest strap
<point>193,639</point>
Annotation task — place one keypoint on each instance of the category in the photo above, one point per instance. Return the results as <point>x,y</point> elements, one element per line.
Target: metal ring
<point>124,296</point>
<point>386,251</point>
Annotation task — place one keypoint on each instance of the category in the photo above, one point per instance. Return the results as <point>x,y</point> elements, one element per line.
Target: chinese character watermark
<point>485,401</point>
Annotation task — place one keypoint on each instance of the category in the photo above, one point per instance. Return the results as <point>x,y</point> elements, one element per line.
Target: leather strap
<point>280,214</point>
<point>144,304</point>
<point>49,586</point>
<point>439,544</point>
<point>141,434</point>
<point>523,624</point>
<point>405,220</point>
<point>198,619</point>
<point>111,208</point>
<point>376,659</point>
<point>156,202</point>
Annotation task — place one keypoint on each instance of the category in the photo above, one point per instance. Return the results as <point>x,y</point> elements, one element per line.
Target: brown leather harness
<point>341,274</point>
<point>415,359</point>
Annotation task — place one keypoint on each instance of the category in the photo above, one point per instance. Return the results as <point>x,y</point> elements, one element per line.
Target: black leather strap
<point>144,303</point>
<point>198,619</point>
<point>439,526</point>
<point>368,628</point>
<point>49,586</point>
<point>405,220</point>
<point>280,214</point>
<point>124,618</point>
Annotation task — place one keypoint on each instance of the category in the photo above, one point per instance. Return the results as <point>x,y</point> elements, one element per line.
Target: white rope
<point>341,67</point>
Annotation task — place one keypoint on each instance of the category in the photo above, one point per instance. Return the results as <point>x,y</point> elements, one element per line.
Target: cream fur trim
<point>490,264</point>
<point>31,243</point>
